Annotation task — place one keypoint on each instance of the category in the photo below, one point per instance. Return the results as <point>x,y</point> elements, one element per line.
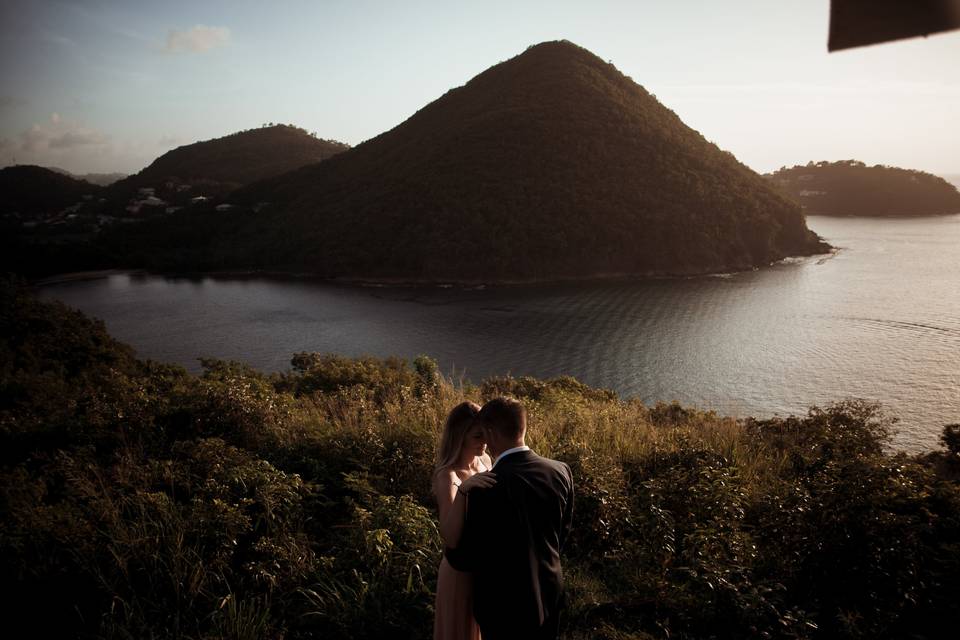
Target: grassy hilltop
<point>137,500</point>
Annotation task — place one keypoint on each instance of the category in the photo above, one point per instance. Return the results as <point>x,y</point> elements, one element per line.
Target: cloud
<point>197,39</point>
<point>34,138</point>
<point>79,138</point>
<point>169,141</point>
<point>76,146</point>
<point>11,102</point>
<point>60,135</point>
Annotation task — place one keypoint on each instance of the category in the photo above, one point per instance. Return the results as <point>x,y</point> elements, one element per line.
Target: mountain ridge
<point>99,179</point>
<point>550,165</point>
<point>228,162</point>
<point>32,189</point>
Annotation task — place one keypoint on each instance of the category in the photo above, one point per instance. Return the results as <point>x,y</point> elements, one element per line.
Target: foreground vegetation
<point>139,501</point>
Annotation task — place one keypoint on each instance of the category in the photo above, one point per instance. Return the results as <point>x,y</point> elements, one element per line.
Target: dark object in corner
<point>856,23</point>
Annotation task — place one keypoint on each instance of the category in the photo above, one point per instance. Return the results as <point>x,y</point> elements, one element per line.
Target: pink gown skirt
<point>454,606</point>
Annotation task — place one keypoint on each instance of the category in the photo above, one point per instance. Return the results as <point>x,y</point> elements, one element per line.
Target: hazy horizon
<point>96,87</point>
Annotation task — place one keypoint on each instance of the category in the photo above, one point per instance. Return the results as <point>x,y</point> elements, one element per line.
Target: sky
<point>104,86</point>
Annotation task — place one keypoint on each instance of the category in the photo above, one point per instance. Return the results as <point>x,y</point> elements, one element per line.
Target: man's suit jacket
<point>511,542</point>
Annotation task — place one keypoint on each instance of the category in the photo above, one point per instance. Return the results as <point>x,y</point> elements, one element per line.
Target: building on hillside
<point>153,201</point>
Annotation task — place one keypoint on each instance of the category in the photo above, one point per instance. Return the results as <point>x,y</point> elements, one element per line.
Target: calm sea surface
<point>880,320</point>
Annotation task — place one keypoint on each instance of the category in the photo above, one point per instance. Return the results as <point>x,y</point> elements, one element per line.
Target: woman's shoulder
<point>486,461</point>
<point>444,477</point>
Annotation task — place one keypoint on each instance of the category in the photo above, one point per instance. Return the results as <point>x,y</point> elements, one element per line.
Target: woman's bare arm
<point>452,502</point>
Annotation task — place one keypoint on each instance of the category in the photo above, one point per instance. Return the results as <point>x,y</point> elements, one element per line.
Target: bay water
<point>879,319</point>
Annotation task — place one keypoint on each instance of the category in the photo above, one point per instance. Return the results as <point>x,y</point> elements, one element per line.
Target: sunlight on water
<point>878,320</point>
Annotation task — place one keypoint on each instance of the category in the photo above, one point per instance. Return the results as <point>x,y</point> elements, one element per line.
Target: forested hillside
<point>223,164</point>
<point>851,188</point>
<point>29,189</point>
<point>550,165</point>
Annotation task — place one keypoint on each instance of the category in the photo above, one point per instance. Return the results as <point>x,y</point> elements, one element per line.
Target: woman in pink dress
<point>461,461</point>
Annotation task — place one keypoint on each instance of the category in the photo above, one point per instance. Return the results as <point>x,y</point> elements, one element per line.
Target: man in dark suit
<point>514,532</point>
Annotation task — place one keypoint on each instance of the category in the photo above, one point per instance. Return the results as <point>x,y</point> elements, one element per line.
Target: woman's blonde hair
<point>460,420</point>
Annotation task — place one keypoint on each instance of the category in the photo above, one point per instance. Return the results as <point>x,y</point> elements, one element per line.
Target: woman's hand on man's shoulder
<point>479,480</point>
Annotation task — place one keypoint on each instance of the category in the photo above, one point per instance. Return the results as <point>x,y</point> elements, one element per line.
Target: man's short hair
<point>504,415</point>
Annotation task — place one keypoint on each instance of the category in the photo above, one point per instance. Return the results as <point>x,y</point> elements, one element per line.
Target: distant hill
<point>29,189</point>
<point>851,188</point>
<point>223,164</point>
<point>101,179</point>
<point>550,165</point>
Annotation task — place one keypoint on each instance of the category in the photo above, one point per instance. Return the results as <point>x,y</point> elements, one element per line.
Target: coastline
<point>79,276</point>
<point>882,216</point>
<point>433,283</point>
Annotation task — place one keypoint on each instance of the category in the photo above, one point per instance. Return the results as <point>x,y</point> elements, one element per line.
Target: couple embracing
<point>504,522</point>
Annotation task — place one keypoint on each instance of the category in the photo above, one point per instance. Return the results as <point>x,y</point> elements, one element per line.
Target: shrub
<point>377,580</point>
<point>950,438</point>
<point>325,373</point>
